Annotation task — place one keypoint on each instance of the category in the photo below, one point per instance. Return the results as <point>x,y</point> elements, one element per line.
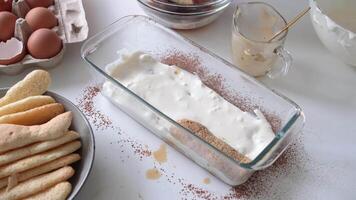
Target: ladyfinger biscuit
<point>203,133</point>
<point>36,148</point>
<point>15,136</point>
<point>26,104</point>
<point>39,159</point>
<point>35,116</point>
<point>12,182</point>
<point>48,167</point>
<point>57,192</point>
<point>37,184</point>
<point>35,83</point>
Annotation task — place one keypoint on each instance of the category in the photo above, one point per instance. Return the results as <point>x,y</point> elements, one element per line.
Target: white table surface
<point>322,85</point>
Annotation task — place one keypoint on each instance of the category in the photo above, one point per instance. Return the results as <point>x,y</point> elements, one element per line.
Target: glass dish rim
<point>211,3</point>
<point>200,14</point>
<point>278,135</point>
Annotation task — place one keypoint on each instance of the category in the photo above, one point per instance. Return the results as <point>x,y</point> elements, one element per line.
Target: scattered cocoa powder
<point>86,105</point>
<point>140,150</point>
<point>258,186</point>
<point>186,61</point>
<point>192,63</point>
<point>196,192</point>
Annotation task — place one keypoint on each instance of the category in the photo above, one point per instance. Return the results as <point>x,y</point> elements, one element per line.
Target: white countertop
<point>322,85</point>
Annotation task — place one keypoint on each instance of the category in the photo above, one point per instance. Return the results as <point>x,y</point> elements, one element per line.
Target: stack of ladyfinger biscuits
<point>36,145</point>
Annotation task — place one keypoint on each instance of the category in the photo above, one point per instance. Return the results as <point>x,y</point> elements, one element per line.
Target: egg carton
<point>72,27</point>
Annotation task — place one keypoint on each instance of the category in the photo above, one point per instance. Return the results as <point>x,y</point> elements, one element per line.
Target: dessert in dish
<point>203,133</point>
<point>184,98</point>
<point>284,115</point>
<point>36,143</point>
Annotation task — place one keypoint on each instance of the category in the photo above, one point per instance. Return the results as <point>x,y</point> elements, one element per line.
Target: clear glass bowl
<point>183,9</point>
<point>142,33</point>
<point>183,17</point>
<point>200,3</point>
<point>333,22</point>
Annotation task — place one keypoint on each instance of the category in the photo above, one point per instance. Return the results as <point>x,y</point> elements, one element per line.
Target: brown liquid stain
<point>161,154</point>
<point>153,174</point>
<point>206,180</point>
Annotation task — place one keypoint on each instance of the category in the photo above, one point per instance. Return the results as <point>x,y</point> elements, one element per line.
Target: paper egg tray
<point>72,27</point>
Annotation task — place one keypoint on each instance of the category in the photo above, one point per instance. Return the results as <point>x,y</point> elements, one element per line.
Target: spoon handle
<point>291,23</point>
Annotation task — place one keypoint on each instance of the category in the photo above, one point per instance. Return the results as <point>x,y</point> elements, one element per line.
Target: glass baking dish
<point>142,33</point>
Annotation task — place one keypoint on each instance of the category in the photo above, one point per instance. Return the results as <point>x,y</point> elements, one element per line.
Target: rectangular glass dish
<point>134,33</point>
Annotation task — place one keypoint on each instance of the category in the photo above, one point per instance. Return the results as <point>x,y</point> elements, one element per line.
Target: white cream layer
<point>181,95</point>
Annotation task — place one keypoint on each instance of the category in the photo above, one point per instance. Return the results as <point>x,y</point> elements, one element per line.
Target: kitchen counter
<point>322,163</point>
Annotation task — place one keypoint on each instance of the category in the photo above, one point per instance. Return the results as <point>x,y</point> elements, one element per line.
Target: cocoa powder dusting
<point>259,184</point>
<point>86,105</point>
<point>192,63</point>
<point>140,150</point>
<point>188,62</point>
<point>196,192</point>
<point>257,187</point>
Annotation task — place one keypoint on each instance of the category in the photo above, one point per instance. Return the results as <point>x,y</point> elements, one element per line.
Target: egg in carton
<point>71,27</point>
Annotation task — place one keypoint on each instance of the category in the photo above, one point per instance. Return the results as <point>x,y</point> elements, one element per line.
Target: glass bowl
<point>335,24</point>
<point>183,17</point>
<point>199,3</point>
<point>173,8</point>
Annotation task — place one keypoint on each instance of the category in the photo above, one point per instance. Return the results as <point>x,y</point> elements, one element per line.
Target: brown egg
<point>5,5</point>
<point>39,3</point>
<point>41,18</point>
<point>7,25</point>
<point>44,43</point>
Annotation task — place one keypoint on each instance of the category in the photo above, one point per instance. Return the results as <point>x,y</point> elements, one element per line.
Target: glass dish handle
<point>281,70</point>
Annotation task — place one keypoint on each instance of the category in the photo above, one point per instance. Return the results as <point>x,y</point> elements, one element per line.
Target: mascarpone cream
<point>182,95</point>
